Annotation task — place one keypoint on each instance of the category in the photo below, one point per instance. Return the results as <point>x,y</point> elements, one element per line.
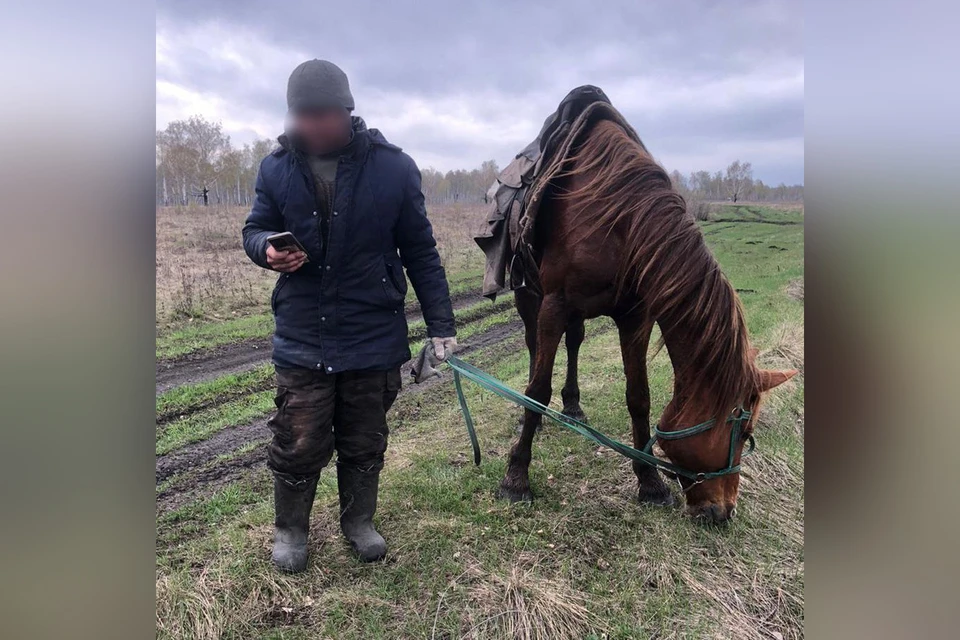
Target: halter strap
<point>738,417</point>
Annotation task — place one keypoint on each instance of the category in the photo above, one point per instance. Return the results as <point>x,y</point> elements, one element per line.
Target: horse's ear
<point>770,379</point>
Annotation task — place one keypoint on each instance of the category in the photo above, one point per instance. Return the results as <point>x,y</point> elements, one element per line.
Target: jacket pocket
<point>282,280</point>
<point>394,284</point>
<point>280,399</point>
<point>391,388</point>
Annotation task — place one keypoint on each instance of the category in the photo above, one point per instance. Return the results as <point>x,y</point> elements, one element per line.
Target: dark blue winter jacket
<point>347,313</point>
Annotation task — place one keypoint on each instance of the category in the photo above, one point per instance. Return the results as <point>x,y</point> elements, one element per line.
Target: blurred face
<point>322,130</point>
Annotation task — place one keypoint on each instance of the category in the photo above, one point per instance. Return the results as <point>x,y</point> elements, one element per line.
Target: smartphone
<point>285,242</point>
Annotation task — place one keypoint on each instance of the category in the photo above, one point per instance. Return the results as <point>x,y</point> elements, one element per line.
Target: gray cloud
<point>457,83</point>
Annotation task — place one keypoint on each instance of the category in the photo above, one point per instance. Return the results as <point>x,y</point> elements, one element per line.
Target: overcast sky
<point>456,83</point>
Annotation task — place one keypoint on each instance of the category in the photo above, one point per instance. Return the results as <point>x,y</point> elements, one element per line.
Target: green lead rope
<point>466,414</point>
<point>646,455</point>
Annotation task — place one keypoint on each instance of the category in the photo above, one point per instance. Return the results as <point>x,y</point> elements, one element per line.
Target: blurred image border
<point>78,281</point>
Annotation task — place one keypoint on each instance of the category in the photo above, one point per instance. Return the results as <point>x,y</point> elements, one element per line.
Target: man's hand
<point>285,261</point>
<point>443,347</point>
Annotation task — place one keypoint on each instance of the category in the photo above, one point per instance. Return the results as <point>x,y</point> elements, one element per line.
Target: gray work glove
<point>426,362</point>
<point>444,347</point>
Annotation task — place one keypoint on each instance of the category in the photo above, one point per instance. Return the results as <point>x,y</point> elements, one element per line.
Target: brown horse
<point>615,239</point>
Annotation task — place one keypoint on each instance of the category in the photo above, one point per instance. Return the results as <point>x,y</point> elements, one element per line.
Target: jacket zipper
<point>308,176</point>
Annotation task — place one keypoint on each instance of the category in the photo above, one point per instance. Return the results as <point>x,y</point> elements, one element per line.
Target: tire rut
<point>782,223</point>
<point>237,357</point>
<point>207,478</point>
<point>212,363</point>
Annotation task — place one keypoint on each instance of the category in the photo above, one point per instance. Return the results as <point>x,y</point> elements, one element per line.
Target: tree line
<point>196,163</point>
<point>736,184</point>
<point>196,160</point>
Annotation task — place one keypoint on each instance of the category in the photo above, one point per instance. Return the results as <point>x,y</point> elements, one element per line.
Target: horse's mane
<point>665,261</point>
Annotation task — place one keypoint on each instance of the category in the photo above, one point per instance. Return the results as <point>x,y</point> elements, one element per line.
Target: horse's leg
<point>570,393</point>
<point>634,339</point>
<point>550,325</point>
<point>528,306</point>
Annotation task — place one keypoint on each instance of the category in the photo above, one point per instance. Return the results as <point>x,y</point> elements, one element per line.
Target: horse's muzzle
<point>711,513</point>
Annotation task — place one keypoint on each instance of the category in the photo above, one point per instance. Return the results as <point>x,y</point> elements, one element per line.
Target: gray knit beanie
<point>318,84</point>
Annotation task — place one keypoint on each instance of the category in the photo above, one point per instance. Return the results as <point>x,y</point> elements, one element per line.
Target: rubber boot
<point>358,502</point>
<point>293,500</point>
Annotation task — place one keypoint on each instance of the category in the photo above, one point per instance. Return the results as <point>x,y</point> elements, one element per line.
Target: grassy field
<point>585,560</point>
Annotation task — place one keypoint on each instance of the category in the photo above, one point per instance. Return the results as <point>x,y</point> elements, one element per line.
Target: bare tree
<point>739,178</point>
<point>190,156</point>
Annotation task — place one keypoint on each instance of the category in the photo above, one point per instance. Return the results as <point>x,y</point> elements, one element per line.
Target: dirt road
<point>198,469</point>
<point>243,356</point>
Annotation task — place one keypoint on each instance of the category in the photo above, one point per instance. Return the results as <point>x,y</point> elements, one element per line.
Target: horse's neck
<point>680,339</point>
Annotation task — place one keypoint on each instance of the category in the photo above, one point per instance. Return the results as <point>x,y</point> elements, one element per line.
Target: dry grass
<point>521,604</point>
<point>225,594</point>
<point>211,603</point>
<point>749,605</point>
<point>526,606</point>
<point>795,289</point>
<point>700,209</point>
<point>454,227</point>
<point>780,206</point>
<point>786,352</point>
<point>201,267</point>
<point>202,270</point>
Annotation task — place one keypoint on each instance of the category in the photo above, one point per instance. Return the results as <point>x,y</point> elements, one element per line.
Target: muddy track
<point>211,477</point>
<point>212,363</point>
<point>782,223</point>
<point>237,357</point>
<point>198,456</point>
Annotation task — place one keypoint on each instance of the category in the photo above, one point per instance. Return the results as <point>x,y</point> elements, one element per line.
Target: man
<point>353,201</point>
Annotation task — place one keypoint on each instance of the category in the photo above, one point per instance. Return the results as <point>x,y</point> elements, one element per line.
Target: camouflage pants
<point>318,413</point>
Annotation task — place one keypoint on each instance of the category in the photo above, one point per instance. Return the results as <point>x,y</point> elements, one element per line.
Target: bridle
<point>739,417</point>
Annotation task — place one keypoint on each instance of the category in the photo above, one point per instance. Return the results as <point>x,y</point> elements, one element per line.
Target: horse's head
<point>714,449</point>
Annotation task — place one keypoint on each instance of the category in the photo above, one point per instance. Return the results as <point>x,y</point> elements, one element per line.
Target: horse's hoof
<point>660,497</point>
<point>575,412</point>
<point>514,495</point>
